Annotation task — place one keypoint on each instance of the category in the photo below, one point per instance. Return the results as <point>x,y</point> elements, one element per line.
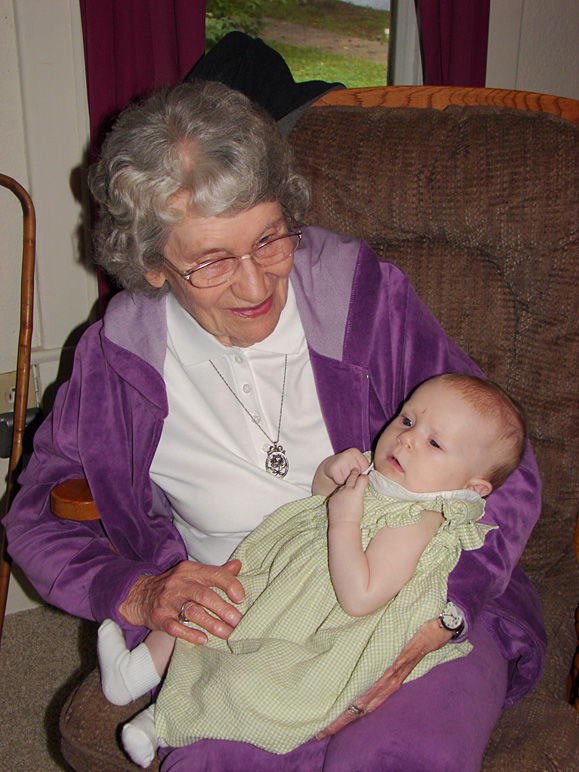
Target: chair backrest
<point>480,207</point>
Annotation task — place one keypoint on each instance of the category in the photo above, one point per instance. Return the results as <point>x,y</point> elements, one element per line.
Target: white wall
<point>534,46</point>
<point>43,135</point>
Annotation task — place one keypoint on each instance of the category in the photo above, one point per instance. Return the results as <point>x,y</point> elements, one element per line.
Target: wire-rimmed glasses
<point>212,273</point>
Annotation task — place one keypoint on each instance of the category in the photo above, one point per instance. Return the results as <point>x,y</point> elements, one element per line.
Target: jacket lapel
<point>343,394</point>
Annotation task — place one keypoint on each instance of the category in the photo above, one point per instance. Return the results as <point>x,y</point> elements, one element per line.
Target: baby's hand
<point>339,467</point>
<point>346,505</point>
<point>335,470</point>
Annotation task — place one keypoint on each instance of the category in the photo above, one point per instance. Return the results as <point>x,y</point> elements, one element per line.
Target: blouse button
<point>246,387</point>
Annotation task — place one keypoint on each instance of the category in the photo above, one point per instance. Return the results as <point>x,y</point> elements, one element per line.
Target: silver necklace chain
<point>276,462</point>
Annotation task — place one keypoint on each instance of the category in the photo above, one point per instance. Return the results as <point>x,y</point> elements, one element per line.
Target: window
<point>328,40</point>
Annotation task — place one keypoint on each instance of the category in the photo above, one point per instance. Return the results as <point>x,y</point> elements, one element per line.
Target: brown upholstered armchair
<point>480,206</point>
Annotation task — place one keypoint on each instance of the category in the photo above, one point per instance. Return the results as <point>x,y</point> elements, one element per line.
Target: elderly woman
<point>243,351</point>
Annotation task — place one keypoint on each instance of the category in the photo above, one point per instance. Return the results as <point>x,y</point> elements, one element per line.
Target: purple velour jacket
<point>371,341</point>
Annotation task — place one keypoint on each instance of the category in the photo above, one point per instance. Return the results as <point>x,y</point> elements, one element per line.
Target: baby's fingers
<point>352,478</point>
<point>357,480</point>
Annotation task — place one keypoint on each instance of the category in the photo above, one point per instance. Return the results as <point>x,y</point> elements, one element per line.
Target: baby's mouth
<point>393,461</point>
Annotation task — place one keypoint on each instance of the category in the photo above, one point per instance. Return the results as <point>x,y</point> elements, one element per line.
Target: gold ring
<point>354,710</point>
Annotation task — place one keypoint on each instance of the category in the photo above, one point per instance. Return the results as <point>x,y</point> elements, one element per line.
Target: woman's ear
<point>155,278</point>
<point>482,487</point>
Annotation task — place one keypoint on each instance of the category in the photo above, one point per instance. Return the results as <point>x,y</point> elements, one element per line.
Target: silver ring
<point>183,619</point>
<point>354,710</point>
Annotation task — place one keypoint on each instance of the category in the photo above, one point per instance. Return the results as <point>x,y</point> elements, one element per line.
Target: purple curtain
<point>454,36</point>
<point>132,47</point>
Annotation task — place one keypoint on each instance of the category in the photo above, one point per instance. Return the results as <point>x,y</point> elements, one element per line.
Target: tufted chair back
<point>480,207</point>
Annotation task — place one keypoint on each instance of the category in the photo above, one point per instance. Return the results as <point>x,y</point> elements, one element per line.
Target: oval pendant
<point>276,462</point>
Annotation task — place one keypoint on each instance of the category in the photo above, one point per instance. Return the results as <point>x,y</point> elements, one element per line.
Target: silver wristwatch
<point>452,619</point>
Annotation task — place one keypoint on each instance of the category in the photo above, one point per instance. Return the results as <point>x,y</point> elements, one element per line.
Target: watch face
<point>450,621</point>
<point>451,618</point>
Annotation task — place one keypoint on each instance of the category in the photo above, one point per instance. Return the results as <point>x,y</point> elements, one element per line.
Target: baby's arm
<point>365,581</point>
<point>335,470</point>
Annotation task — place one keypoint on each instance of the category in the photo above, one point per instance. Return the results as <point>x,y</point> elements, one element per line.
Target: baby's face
<point>437,442</point>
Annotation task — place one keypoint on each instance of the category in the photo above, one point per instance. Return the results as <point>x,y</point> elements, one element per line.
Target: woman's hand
<point>430,637</point>
<point>155,601</point>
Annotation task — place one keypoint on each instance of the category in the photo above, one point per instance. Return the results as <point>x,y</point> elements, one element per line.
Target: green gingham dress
<point>297,660</point>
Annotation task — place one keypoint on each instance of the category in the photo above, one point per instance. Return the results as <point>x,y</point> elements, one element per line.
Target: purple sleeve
<point>72,564</point>
<point>421,349</point>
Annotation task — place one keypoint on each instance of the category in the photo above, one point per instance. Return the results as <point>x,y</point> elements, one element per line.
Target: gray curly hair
<point>204,139</point>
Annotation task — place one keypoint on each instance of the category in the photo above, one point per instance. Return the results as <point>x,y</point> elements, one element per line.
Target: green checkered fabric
<point>297,660</point>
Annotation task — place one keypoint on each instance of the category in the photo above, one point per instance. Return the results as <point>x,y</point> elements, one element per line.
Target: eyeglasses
<point>212,273</point>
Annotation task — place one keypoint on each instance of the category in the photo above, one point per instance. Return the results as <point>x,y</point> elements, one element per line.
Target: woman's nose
<point>250,281</point>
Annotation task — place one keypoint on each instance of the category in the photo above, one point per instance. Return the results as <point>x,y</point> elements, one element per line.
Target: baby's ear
<point>482,487</point>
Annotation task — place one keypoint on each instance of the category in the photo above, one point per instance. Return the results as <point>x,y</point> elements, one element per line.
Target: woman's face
<point>246,309</point>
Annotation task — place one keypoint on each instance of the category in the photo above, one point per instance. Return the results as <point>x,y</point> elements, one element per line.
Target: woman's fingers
<point>201,598</point>
<point>428,638</point>
<point>214,576</point>
<point>156,601</point>
<point>193,617</point>
<point>233,566</point>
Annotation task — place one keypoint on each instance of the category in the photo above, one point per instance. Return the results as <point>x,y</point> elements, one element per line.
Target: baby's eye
<point>434,444</point>
<point>406,421</point>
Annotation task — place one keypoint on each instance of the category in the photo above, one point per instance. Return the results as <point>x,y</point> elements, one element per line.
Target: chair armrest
<point>72,500</point>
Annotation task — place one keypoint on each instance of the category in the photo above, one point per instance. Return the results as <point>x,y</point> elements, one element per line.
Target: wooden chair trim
<point>72,500</point>
<point>22,365</point>
<point>440,97</point>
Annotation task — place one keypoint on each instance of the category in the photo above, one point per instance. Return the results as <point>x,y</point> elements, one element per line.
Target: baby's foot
<point>140,739</point>
<point>125,675</point>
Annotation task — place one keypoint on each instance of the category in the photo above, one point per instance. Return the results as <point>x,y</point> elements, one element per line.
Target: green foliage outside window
<point>306,63</point>
<point>223,16</point>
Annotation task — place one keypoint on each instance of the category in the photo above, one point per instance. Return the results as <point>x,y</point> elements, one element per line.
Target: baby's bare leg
<point>127,675</point>
<point>160,646</point>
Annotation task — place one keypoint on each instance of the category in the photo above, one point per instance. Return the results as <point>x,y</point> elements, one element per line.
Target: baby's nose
<point>405,438</point>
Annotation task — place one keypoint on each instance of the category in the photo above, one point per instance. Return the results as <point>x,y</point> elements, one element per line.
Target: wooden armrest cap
<point>72,500</point>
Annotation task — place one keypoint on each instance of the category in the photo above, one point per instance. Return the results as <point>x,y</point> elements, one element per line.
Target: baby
<point>336,585</point>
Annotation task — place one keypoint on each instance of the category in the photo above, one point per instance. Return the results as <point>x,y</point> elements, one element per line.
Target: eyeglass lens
<point>221,270</point>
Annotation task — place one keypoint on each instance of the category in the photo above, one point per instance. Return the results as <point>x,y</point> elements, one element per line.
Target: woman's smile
<point>253,312</point>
